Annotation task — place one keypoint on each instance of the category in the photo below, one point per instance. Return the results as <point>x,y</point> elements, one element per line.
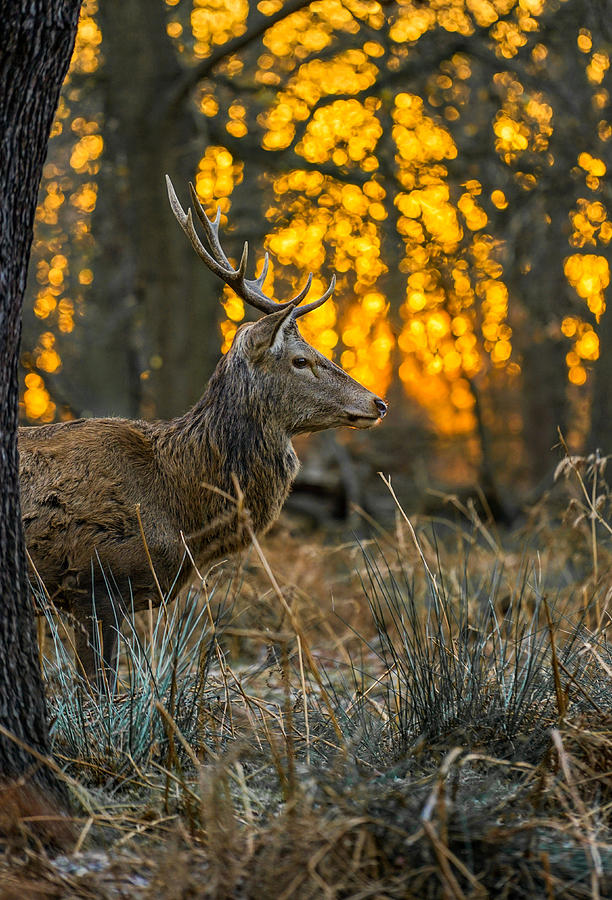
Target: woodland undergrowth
<point>424,711</point>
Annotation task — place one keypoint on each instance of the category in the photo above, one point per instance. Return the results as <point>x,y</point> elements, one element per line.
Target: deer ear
<point>268,332</point>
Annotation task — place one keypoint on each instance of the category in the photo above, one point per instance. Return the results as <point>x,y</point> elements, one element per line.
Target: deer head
<point>302,389</point>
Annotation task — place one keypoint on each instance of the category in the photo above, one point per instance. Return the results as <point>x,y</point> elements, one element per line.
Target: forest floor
<point>424,712</point>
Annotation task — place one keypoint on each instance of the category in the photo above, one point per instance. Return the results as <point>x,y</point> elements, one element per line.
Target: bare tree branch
<point>259,25</point>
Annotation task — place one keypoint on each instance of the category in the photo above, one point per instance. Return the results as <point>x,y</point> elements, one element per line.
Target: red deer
<point>93,491</point>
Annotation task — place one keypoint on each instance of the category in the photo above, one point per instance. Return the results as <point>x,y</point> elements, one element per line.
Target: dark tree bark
<point>37,41</point>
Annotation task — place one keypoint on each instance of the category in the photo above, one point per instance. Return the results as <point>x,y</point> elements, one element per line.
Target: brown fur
<point>82,481</point>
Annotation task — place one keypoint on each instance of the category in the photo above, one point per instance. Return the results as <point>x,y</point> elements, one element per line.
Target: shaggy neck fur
<point>232,432</point>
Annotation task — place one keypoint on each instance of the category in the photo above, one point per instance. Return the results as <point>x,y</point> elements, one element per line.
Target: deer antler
<point>250,290</point>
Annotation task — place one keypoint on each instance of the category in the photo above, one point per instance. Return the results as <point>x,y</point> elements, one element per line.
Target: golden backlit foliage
<point>440,340</point>
<point>345,218</point>
<point>455,315</point>
<point>60,278</point>
<point>588,273</point>
<point>215,180</point>
<point>213,22</point>
<point>370,164</point>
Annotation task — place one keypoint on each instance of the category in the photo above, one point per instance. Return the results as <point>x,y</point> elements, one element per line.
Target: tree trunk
<point>38,37</point>
<point>544,393</point>
<point>540,299</point>
<point>154,308</point>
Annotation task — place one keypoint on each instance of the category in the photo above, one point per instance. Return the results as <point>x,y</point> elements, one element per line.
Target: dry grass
<point>424,713</point>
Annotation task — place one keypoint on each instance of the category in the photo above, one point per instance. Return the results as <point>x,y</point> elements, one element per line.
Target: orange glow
<point>331,203</point>
<point>68,194</point>
<point>38,404</point>
<point>213,22</point>
<point>599,65</point>
<point>216,178</point>
<point>589,275</point>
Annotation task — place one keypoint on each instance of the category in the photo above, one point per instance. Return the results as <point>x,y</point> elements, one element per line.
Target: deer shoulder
<point>81,482</point>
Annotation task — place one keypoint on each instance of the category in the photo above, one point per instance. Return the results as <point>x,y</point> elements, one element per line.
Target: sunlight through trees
<point>447,160</point>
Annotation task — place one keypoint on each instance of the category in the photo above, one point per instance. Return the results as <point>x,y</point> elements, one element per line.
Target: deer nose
<point>381,406</point>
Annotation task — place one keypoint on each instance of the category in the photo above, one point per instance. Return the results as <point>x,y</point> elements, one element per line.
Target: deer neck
<point>232,442</point>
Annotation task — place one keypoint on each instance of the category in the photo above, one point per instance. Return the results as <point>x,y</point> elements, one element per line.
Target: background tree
<point>449,160</point>
<point>38,37</point>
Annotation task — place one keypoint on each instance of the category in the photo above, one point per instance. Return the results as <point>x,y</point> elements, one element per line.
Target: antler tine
<point>264,272</point>
<point>243,261</point>
<point>219,263</point>
<point>185,220</point>
<point>299,310</point>
<point>256,286</point>
<point>314,304</point>
<point>301,294</point>
<point>226,274</point>
<point>250,290</point>
<point>177,209</point>
<point>211,228</point>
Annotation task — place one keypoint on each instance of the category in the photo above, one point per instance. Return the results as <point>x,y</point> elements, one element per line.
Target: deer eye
<point>300,362</point>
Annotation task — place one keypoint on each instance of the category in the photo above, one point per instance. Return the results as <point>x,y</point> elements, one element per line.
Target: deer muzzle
<point>368,419</point>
